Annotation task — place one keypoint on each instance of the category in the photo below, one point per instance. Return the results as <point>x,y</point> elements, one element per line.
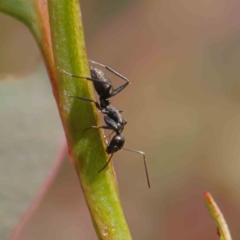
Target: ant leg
<point>111,124</point>
<point>144,160</point>
<point>85,99</point>
<point>75,76</point>
<point>106,163</point>
<point>97,127</point>
<point>109,135</point>
<point>119,89</point>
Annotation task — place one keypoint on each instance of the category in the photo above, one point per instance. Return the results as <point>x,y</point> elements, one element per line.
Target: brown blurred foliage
<point>183,110</point>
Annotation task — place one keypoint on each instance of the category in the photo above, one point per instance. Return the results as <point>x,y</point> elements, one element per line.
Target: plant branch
<point>87,151</point>
<point>218,218</point>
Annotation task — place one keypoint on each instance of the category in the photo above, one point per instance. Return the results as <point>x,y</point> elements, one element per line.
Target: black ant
<point>113,119</point>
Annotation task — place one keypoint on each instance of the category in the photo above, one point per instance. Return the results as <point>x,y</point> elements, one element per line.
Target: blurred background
<point>183,110</point>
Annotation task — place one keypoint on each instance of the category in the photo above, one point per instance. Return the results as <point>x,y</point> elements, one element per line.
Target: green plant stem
<point>87,150</point>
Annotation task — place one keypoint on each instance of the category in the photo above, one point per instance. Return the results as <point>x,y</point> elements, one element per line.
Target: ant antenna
<point>144,160</point>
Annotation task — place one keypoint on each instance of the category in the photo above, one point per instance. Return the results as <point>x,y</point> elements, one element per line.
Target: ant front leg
<point>109,135</point>
<point>97,127</point>
<point>111,125</point>
<point>109,160</point>
<point>85,99</point>
<point>119,89</point>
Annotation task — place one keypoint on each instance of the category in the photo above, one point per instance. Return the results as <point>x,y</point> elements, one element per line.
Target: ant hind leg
<point>119,89</point>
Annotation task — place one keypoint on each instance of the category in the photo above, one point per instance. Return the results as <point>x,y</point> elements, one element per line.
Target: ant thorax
<point>114,114</point>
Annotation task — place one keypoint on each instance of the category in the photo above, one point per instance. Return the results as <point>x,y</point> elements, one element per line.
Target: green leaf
<point>218,218</point>
<point>23,10</point>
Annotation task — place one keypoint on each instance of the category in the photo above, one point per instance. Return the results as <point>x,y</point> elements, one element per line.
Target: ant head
<point>116,144</point>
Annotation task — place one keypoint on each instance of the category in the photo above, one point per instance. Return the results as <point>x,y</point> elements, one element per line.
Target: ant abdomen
<point>103,90</point>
